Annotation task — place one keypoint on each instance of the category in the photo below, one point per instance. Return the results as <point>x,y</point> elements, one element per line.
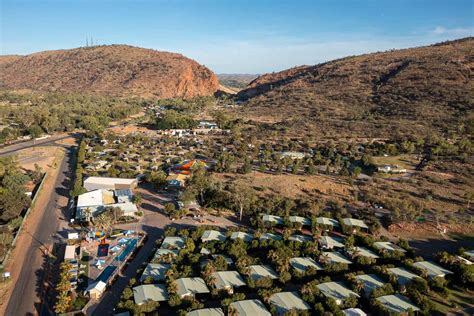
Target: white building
<point>391,169</point>
<point>97,183</point>
<point>91,204</point>
<point>96,289</point>
<point>293,154</point>
<point>70,253</point>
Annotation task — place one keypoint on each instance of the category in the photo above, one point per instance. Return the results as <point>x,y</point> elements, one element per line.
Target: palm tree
<point>324,259</point>
<point>101,222</point>
<point>169,274</point>
<point>231,311</point>
<point>211,281</point>
<point>118,212</point>
<point>88,213</point>
<point>137,199</point>
<point>358,285</point>
<point>172,287</point>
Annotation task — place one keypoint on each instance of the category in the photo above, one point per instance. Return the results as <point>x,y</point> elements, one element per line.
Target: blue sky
<point>236,36</point>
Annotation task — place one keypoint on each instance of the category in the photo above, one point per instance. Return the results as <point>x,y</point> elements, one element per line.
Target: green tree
<point>35,131</point>
<point>242,197</point>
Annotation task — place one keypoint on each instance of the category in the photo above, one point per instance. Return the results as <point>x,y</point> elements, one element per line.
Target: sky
<point>236,36</point>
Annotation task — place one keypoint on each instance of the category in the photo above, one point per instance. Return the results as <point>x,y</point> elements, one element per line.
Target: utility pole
<point>87,42</point>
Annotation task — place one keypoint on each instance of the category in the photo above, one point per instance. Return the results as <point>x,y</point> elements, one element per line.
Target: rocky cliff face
<point>115,70</point>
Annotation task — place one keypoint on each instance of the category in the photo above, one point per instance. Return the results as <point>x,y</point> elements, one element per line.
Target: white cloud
<point>439,30</point>
<point>460,31</point>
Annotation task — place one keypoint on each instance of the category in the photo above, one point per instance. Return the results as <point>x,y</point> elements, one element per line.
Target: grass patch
<point>403,161</point>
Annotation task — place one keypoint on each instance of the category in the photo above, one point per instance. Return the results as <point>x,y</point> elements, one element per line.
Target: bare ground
<point>293,186</point>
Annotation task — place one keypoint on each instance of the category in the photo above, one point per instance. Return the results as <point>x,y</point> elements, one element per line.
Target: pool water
<point>130,246</point>
<point>105,275</point>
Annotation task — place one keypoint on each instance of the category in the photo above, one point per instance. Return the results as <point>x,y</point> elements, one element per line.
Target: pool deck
<point>114,261</point>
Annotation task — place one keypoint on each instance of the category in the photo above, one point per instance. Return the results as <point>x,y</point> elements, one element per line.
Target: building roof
<point>228,279</point>
<point>464,260</point>
<point>370,282</point>
<point>272,219</point>
<point>364,252</point>
<point>226,258</point>
<point>354,312</point>
<point>204,251</point>
<point>335,257</point>
<point>250,308</point>
<point>327,221</point>
<point>206,312</point>
<point>154,292</point>
<point>432,269</point>
<point>191,286</point>
<point>241,235</point>
<point>302,264</point>
<point>354,222</point>
<point>336,290</point>
<point>95,198</point>
<point>157,271</point>
<point>397,303</point>
<point>163,252</point>
<point>213,235</point>
<point>300,238</point>
<point>403,276</point>
<point>331,242</point>
<point>97,286</point>
<point>108,180</point>
<point>272,236</point>
<point>388,246</point>
<point>173,243</point>
<point>123,192</point>
<point>286,301</point>
<point>179,177</point>
<point>127,207</point>
<point>299,219</point>
<point>70,252</point>
<point>261,271</point>
<point>293,154</point>
<point>469,253</point>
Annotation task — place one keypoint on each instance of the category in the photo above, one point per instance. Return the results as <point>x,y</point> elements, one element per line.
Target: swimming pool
<point>130,246</point>
<point>105,275</point>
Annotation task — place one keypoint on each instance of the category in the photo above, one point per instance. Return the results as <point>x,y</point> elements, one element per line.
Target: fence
<point>33,201</point>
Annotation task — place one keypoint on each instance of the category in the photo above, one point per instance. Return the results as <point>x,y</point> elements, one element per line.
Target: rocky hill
<point>411,91</point>
<point>116,70</point>
<point>236,81</point>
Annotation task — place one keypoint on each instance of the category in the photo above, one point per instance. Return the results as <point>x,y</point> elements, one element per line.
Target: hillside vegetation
<point>414,92</point>
<point>36,113</point>
<point>236,81</point>
<point>116,70</point>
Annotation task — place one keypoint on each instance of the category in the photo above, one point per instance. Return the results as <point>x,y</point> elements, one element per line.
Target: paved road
<point>27,291</point>
<point>51,141</point>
